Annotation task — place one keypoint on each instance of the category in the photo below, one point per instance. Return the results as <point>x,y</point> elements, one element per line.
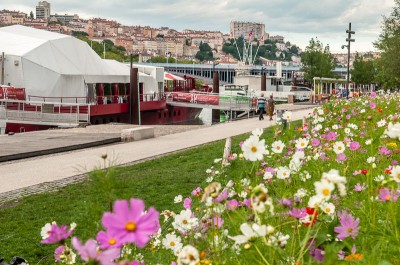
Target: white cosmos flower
<point>347,130</point>
<point>324,188</point>
<point>335,127</point>
<point>45,232</point>
<point>381,123</point>
<point>277,147</point>
<point>315,201</point>
<point>172,242</point>
<point>257,132</point>
<point>370,160</point>
<point>267,175</point>
<point>253,149</point>
<point>287,115</point>
<point>301,143</point>
<point>368,142</point>
<point>328,208</point>
<point>395,174</point>
<point>333,176</point>
<point>301,193</point>
<point>338,147</point>
<point>249,232</point>
<point>393,130</point>
<point>184,221</point>
<point>178,199</point>
<point>320,111</point>
<point>283,173</point>
<point>318,127</point>
<point>188,255</point>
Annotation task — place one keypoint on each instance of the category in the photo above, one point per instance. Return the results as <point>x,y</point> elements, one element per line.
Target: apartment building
<point>43,10</point>
<point>12,17</point>
<point>241,28</point>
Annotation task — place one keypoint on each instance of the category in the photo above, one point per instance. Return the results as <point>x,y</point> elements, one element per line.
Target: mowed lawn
<point>157,182</point>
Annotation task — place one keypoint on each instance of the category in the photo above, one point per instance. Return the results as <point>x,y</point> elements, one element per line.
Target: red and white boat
<point>57,80</point>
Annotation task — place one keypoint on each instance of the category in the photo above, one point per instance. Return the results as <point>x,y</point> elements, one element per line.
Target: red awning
<point>169,76</point>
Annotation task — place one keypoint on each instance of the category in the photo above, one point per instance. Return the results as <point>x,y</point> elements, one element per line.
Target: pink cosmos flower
<point>247,203</point>
<point>298,213</point>
<point>373,95</point>
<point>108,240</point>
<point>187,203</point>
<point>89,252</point>
<point>384,151</point>
<point>359,187</point>
<point>232,204</point>
<point>354,146</point>
<point>331,136</point>
<point>315,142</point>
<point>57,234</point>
<point>386,194</point>
<point>348,116</point>
<point>348,226</point>
<point>341,157</point>
<point>130,223</point>
<point>196,192</point>
<point>61,251</point>
<point>372,105</point>
<point>222,196</point>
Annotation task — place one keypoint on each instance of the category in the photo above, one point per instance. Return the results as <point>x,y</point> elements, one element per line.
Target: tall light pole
<point>348,39</point>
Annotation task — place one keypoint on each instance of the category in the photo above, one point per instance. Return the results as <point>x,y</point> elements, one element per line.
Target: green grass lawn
<point>157,182</point>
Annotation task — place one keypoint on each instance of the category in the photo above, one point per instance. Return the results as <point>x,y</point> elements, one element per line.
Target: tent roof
<point>19,40</point>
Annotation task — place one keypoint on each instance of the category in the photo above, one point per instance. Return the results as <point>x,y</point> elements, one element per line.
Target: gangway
<point>44,113</point>
<point>211,101</point>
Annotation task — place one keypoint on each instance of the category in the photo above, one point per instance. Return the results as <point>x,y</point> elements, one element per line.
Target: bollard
<point>227,151</point>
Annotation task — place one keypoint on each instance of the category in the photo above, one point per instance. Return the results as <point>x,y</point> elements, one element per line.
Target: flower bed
<point>324,192</point>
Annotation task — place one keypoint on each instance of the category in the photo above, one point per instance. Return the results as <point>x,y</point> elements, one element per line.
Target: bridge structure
<point>227,72</point>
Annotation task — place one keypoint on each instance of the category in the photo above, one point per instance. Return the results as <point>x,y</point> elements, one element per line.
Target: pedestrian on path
<point>271,107</point>
<point>261,106</point>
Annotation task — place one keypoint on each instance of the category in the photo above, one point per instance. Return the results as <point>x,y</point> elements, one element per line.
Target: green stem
<point>262,256</point>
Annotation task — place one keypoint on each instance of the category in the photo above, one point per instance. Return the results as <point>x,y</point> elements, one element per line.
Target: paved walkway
<point>24,174</point>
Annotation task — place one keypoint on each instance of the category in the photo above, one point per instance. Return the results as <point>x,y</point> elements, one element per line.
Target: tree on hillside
<point>204,53</point>
<point>363,71</point>
<point>317,60</point>
<point>389,46</point>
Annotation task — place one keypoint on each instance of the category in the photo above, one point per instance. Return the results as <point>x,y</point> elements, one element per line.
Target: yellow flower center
<point>185,222</point>
<point>278,147</point>
<point>326,192</point>
<point>130,226</point>
<point>387,197</point>
<point>349,229</point>
<point>302,144</point>
<point>191,257</point>
<point>254,149</point>
<point>339,148</point>
<point>328,210</point>
<point>398,175</point>
<point>112,241</point>
<point>172,244</point>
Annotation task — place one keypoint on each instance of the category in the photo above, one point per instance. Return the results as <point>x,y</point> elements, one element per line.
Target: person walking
<point>271,107</point>
<point>261,106</point>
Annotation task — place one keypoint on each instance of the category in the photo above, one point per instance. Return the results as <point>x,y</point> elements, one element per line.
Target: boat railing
<point>39,112</point>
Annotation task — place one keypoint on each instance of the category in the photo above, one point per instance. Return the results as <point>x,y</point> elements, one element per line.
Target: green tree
<point>363,71</point>
<point>204,53</point>
<point>31,15</point>
<point>317,61</point>
<point>389,46</point>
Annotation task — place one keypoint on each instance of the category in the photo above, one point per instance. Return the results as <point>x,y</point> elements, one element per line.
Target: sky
<point>298,21</point>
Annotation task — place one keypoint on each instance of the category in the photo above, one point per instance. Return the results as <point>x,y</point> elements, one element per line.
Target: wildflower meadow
<point>325,192</point>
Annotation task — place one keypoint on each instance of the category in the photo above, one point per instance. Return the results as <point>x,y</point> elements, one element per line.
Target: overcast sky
<point>298,21</point>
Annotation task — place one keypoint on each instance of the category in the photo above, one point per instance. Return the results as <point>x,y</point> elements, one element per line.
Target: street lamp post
<point>348,39</point>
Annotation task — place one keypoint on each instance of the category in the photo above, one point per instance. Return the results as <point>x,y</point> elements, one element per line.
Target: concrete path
<point>26,173</point>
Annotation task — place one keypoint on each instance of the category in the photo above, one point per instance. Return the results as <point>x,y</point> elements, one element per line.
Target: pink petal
<point>121,209</point>
<point>136,209</point>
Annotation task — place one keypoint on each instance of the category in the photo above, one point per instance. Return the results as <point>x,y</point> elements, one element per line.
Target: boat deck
<point>30,144</point>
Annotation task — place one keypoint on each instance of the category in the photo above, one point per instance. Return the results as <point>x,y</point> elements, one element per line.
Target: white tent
<point>56,65</point>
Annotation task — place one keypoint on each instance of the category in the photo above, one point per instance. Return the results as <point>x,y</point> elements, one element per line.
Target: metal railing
<point>45,113</point>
